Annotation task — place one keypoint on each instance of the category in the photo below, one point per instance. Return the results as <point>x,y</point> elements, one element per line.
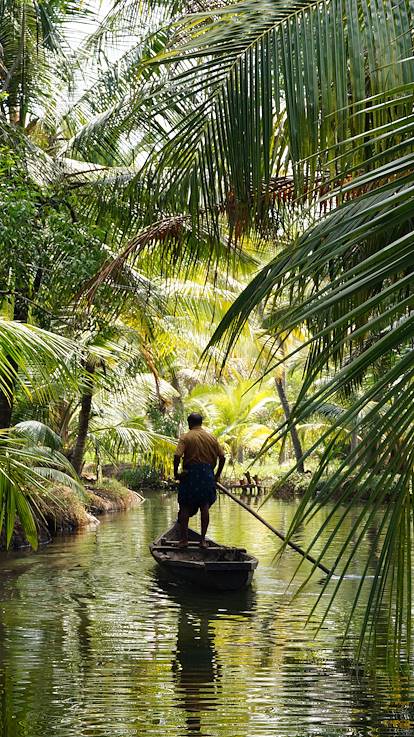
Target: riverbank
<point>66,511</point>
<point>271,479</point>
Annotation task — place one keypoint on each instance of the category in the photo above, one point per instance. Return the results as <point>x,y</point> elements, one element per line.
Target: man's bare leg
<point>183,518</point>
<point>205,519</point>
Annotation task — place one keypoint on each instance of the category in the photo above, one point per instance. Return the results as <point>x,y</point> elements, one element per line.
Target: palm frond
<point>26,350</point>
<point>265,88</point>
<point>174,246</point>
<point>25,471</point>
<point>38,434</point>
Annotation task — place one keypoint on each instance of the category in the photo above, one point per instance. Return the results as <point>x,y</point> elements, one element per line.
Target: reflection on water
<point>95,643</point>
<point>196,664</point>
<point>196,668</point>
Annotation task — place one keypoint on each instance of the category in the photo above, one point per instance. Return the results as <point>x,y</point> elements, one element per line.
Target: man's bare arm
<point>177,460</point>
<point>221,462</point>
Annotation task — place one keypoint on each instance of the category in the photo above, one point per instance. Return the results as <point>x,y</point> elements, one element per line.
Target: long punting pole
<point>273,529</point>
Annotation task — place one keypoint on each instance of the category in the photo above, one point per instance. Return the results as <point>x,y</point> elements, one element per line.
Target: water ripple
<point>94,643</point>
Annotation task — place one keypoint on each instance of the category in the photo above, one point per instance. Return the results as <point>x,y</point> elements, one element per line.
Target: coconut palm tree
<point>105,414</point>
<point>29,458</point>
<point>35,56</point>
<point>119,425</point>
<point>294,100</point>
<point>270,105</point>
<point>257,102</point>
<point>239,414</point>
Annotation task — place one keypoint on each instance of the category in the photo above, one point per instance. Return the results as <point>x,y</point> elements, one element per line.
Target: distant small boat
<point>217,567</point>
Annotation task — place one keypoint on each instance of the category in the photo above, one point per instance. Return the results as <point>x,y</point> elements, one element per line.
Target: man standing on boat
<point>200,452</point>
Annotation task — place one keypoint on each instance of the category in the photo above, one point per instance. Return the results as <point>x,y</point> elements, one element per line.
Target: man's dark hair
<point>194,420</point>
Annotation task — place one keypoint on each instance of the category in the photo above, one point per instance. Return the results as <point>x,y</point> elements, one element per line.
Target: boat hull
<point>218,580</point>
<point>219,567</point>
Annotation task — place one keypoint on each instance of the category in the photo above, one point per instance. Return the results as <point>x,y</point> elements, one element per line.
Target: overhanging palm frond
<point>369,238</point>
<point>273,84</point>
<point>350,282</point>
<point>27,351</point>
<point>118,431</point>
<point>38,434</point>
<point>24,471</point>
<point>174,246</point>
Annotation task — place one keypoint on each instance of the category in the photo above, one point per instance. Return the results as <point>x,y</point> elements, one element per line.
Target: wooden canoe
<point>217,567</point>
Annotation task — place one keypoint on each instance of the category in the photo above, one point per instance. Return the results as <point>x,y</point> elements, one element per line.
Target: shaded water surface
<point>94,644</point>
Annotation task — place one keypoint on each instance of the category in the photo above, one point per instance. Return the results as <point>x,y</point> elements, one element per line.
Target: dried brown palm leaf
<point>166,228</point>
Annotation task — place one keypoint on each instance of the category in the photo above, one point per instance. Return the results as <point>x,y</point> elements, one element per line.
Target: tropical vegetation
<point>210,206</point>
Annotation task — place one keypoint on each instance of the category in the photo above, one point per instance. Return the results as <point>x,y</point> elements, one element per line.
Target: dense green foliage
<point>221,220</point>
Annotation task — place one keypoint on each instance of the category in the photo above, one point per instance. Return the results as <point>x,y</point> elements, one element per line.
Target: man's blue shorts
<point>197,487</point>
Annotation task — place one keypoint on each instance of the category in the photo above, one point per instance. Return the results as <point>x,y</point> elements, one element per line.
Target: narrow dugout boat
<point>217,567</point>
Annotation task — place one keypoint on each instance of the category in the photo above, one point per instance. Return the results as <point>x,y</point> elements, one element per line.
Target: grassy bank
<point>65,511</point>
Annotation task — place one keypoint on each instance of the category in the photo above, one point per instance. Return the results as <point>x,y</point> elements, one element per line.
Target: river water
<point>94,644</point>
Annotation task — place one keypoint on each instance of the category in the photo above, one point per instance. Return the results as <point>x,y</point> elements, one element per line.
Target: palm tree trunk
<point>178,402</point>
<point>293,432</point>
<point>282,454</point>
<point>98,458</point>
<point>6,409</point>
<point>83,427</point>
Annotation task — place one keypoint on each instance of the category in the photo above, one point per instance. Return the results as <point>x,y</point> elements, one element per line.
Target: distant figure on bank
<point>200,452</point>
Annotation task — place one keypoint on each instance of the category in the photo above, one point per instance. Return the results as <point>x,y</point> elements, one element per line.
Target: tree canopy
<point>211,205</point>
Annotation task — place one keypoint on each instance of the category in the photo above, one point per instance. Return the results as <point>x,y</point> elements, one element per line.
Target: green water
<point>94,644</point>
